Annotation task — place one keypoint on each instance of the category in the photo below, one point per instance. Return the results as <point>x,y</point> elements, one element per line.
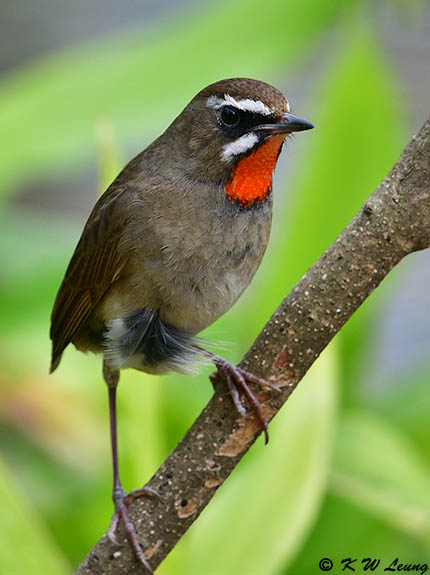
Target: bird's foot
<point>121,500</point>
<point>237,380</point>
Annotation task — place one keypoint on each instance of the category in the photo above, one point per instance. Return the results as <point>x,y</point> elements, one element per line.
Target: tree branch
<point>393,222</point>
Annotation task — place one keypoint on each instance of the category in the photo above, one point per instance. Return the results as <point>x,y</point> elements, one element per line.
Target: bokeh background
<point>84,87</point>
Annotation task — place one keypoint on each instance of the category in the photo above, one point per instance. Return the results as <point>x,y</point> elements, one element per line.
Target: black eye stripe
<point>236,121</point>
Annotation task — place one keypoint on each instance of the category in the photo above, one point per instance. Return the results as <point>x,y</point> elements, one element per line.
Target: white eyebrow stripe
<point>247,105</point>
<point>239,146</point>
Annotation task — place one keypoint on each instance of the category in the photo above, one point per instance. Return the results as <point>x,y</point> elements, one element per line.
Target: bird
<point>171,245</point>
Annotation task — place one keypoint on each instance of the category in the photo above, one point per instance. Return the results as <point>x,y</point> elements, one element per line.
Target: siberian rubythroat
<point>172,244</point>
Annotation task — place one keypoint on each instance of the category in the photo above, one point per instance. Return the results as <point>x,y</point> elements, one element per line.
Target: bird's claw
<point>122,501</point>
<point>111,533</point>
<point>237,379</point>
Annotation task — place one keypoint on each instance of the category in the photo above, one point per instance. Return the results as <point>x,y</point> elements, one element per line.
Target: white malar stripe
<point>247,105</point>
<point>239,146</point>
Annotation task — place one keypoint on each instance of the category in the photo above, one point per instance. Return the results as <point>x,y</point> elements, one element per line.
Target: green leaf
<point>140,79</point>
<point>109,154</point>
<point>405,402</point>
<point>33,256</point>
<point>26,545</point>
<point>140,427</point>
<point>380,469</point>
<point>344,530</point>
<point>261,515</point>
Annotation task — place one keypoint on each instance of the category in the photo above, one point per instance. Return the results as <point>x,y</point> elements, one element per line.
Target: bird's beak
<point>288,123</point>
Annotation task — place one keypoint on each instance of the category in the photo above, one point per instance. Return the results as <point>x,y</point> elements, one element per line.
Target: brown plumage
<point>173,243</point>
<point>94,267</point>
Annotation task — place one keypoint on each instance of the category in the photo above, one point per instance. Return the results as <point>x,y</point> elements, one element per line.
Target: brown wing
<point>94,266</point>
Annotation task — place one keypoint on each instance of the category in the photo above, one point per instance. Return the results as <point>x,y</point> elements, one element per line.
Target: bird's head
<point>234,131</point>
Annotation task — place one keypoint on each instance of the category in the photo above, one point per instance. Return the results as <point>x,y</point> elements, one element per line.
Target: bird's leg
<point>120,498</point>
<point>237,380</point>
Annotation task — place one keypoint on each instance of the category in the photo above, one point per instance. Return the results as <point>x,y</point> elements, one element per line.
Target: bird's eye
<point>229,116</point>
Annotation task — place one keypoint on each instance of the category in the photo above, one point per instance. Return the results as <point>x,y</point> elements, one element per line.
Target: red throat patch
<point>252,177</point>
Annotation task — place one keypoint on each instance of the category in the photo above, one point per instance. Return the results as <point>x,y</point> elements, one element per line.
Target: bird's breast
<point>207,270</point>
<point>189,258</point>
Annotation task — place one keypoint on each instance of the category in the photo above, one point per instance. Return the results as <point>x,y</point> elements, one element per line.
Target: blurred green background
<point>84,87</point>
